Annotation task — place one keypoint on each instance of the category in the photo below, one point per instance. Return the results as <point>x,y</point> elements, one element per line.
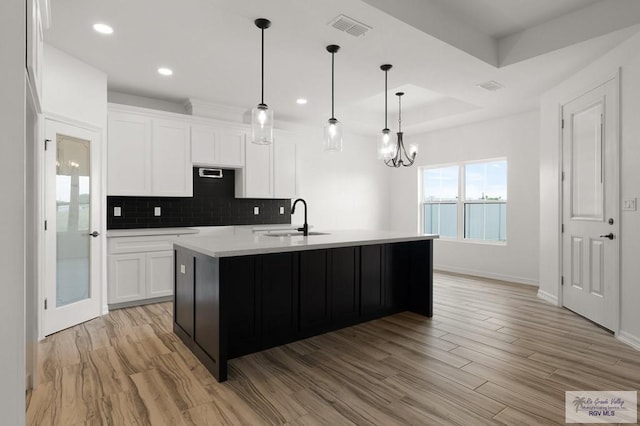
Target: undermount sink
<point>293,234</point>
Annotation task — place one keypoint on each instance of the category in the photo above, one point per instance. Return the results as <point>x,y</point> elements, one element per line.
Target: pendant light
<point>333,128</point>
<point>261,115</point>
<point>400,156</point>
<point>385,143</point>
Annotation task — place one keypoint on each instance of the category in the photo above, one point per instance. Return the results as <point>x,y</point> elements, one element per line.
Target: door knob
<point>94,234</point>
<point>609,236</point>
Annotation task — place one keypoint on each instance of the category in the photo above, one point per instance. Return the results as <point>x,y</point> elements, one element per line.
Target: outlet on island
<point>157,211</point>
<point>256,211</point>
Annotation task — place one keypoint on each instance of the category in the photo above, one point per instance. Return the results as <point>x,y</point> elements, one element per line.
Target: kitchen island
<point>236,295</point>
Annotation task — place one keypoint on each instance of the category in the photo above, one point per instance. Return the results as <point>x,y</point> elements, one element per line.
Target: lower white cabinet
<point>139,268</point>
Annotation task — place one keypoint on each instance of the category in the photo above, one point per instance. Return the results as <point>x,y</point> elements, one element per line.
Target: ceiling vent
<point>491,86</point>
<point>349,25</point>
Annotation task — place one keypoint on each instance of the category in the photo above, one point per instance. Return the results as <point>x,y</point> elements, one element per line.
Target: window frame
<point>461,200</point>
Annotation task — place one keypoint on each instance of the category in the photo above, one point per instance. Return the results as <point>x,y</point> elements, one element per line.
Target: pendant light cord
<point>262,79</point>
<point>385,99</point>
<point>332,83</point>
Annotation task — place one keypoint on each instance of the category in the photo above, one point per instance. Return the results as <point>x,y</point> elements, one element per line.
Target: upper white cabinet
<point>148,156</point>
<point>284,166</point>
<point>128,154</point>
<point>217,146</point>
<point>256,179</point>
<point>270,170</point>
<point>171,172</point>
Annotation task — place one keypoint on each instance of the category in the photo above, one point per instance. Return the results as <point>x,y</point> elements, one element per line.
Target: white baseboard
<point>105,309</point>
<point>629,339</point>
<point>485,274</point>
<point>548,297</point>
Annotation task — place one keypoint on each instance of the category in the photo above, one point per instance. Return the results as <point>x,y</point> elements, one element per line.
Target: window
<point>466,201</point>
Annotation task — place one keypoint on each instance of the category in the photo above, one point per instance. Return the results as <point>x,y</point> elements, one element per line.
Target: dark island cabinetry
<point>231,306</point>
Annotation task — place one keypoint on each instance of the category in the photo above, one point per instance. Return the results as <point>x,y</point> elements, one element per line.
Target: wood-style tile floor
<point>492,354</point>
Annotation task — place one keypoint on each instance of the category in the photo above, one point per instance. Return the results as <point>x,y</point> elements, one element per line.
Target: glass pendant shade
<point>261,125</point>
<point>386,145</point>
<point>333,135</point>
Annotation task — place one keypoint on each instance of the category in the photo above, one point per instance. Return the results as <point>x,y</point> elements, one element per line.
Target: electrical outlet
<point>117,211</point>
<point>157,211</point>
<point>629,204</point>
<point>183,269</point>
<point>281,209</point>
<point>256,210</point>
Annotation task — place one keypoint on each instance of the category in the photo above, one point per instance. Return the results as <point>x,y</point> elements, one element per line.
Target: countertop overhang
<point>241,245</point>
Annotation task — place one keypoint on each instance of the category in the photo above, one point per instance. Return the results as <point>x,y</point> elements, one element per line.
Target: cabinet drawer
<point>140,244</point>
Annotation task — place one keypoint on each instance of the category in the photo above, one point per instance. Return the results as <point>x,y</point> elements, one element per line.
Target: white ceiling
<point>214,49</point>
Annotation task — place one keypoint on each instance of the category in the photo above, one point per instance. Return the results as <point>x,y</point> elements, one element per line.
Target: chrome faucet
<point>305,227</point>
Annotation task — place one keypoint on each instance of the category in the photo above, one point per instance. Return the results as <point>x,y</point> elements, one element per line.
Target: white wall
<point>514,137</point>
<point>625,57</point>
<point>72,89</point>
<point>344,190</point>
<point>12,225</point>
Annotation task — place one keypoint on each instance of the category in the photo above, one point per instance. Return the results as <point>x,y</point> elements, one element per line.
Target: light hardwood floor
<point>493,353</point>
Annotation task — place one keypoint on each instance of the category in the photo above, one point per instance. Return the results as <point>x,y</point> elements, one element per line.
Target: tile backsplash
<point>213,204</point>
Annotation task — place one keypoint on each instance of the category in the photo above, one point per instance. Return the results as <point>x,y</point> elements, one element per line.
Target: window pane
<point>486,181</point>
<point>440,184</point>
<point>485,221</point>
<point>441,219</point>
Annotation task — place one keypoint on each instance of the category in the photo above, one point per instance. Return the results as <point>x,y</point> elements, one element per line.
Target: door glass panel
<point>586,167</point>
<point>73,195</point>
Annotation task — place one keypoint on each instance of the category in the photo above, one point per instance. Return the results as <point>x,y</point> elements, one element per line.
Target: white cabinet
<point>256,179</point>
<point>284,166</point>
<point>139,268</point>
<point>217,146</point>
<point>171,173</point>
<point>270,171</point>
<point>148,156</point>
<point>128,154</point>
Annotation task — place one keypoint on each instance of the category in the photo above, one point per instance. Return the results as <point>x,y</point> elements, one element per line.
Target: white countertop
<point>244,245</point>
<point>143,232</point>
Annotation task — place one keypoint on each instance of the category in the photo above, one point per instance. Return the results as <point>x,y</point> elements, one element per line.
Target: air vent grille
<point>491,86</point>
<point>349,26</point>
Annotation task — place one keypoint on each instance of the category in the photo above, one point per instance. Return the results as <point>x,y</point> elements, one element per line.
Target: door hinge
<point>45,303</point>
<point>562,280</point>
<point>562,124</point>
<point>46,143</point>
<point>563,176</point>
<point>562,228</point>
<point>45,225</point>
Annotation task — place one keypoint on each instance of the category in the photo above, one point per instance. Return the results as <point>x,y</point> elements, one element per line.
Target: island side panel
<point>421,278</point>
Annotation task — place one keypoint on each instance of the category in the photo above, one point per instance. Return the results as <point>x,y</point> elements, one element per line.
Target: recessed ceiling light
<point>301,101</point>
<point>164,71</point>
<point>103,28</point>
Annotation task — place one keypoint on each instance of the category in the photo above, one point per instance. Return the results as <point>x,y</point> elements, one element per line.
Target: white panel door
<point>284,166</point>
<point>160,274</point>
<point>72,238</point>
<point>128,159</point>
<point>231,147</point>
<point>258,171</point>
<point>204,145</point>
<point>591,206</point>
<point>171,173</point>
<point>127,273</point>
